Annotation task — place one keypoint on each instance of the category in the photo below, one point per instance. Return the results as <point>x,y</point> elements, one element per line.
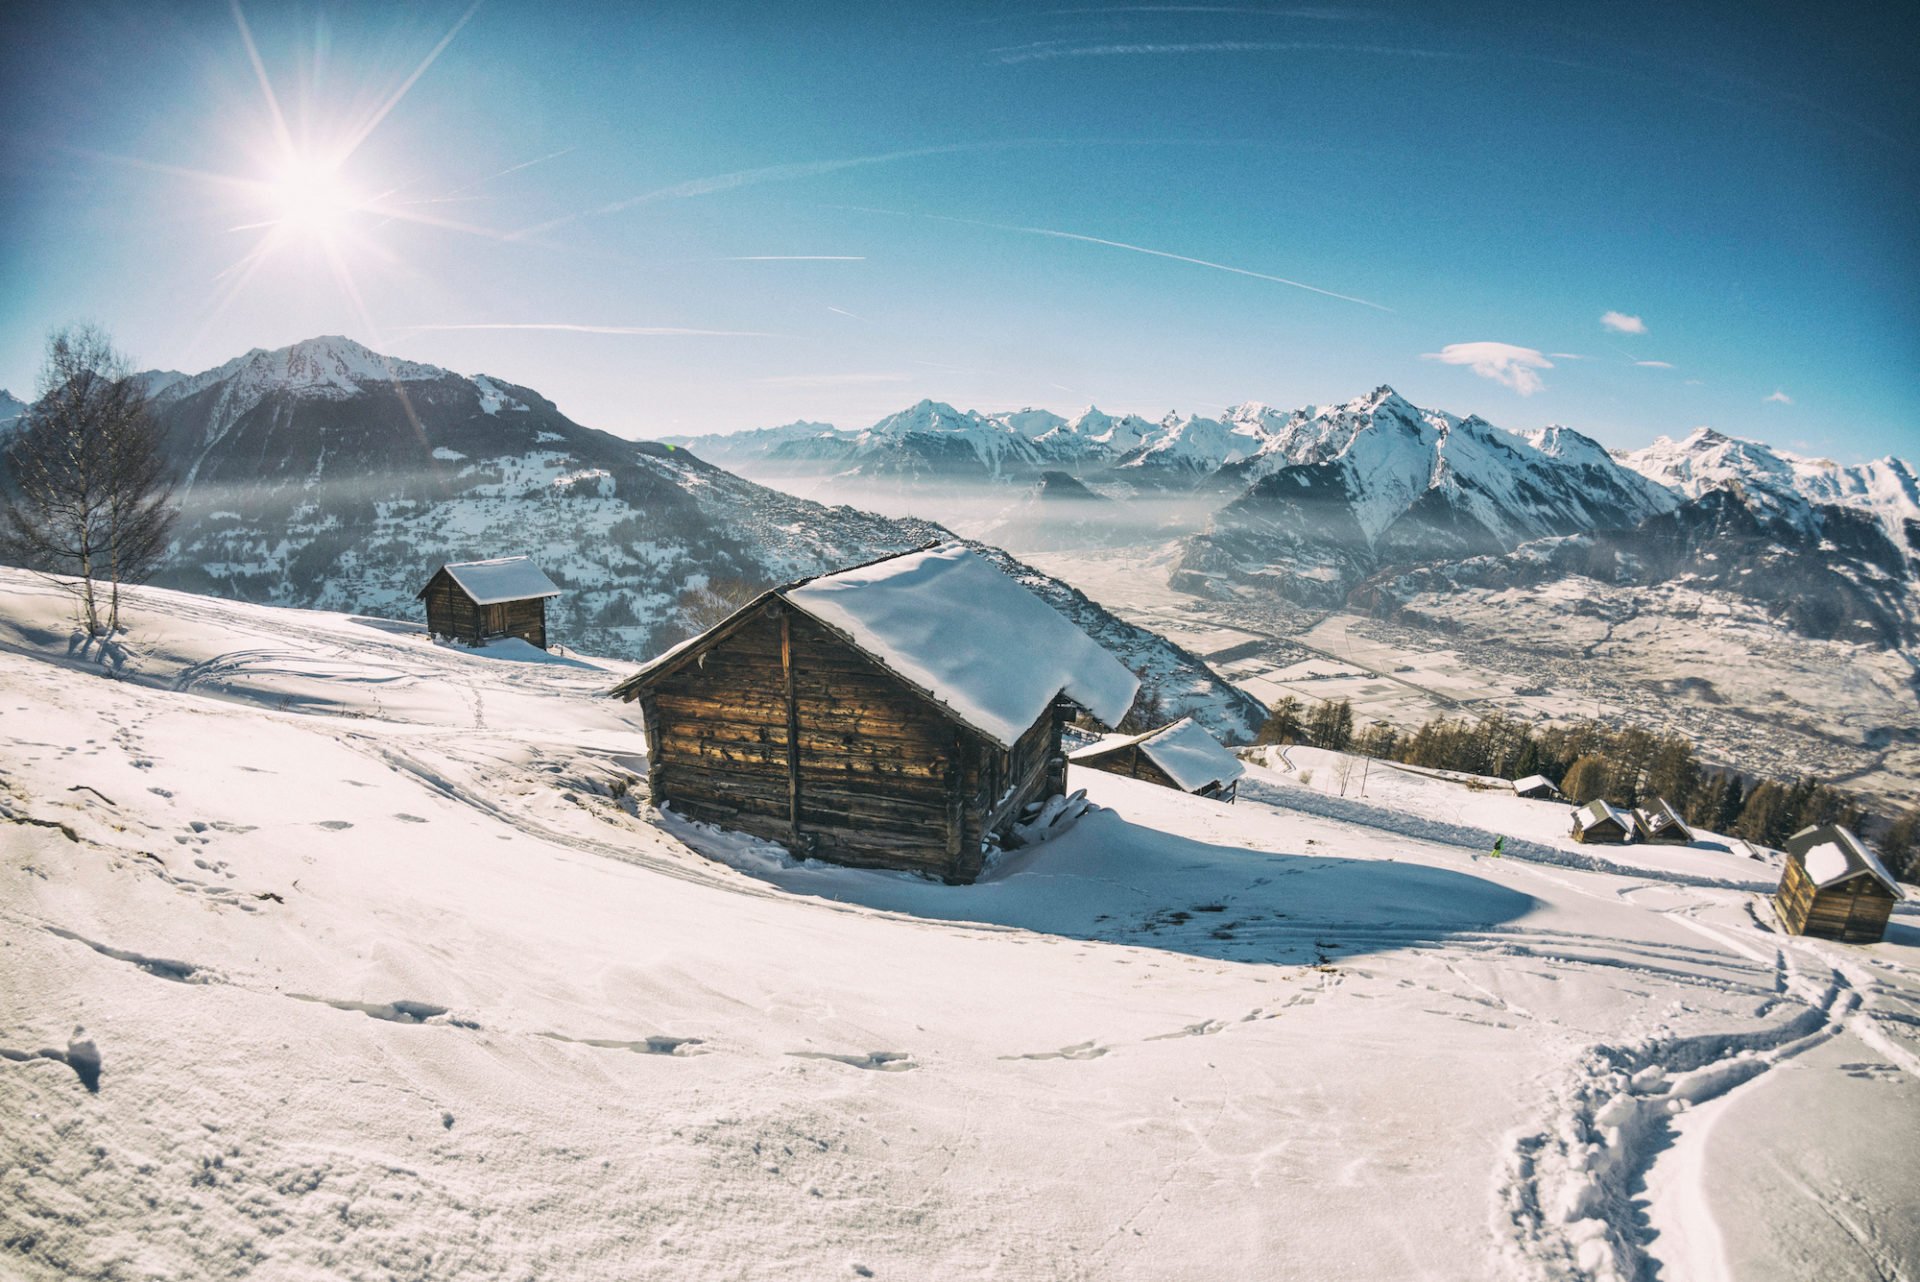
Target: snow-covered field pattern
<point>330,952</point>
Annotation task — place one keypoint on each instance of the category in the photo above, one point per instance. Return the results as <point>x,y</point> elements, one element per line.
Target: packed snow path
<point>329,952</point>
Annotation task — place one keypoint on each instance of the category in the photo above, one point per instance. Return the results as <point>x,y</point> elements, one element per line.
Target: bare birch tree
<point>90,496</point>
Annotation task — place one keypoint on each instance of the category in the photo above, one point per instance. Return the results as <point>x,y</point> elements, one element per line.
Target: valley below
<point>1751,697</point>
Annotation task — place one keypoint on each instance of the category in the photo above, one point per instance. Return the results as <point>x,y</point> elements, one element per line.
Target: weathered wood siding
<point>998,785</point>
<point>452,613</point>
<point>1855,911</point>
<point>782,730</point>
<point>717,734</point>
<point>1601,834</point>
<point>1133,764</point>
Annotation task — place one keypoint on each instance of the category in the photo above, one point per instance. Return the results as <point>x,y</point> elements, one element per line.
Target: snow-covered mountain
<point>1338,492</point>
<point>11,408</point>
<point>326,475</point>
<point>1887,489</point>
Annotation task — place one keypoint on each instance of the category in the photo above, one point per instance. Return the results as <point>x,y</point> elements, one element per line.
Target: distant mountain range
<point>1369,501</point>
<point>327,475</point>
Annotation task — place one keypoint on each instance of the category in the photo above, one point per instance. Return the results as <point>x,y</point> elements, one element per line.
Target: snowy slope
<point>383,983</point>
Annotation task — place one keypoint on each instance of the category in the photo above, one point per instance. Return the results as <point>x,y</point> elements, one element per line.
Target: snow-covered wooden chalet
<point>1600,823</point>
<point>477,601</point>
<point>1537,788</point>
<point>900,714</point>
<point>1660,824</point>
<point>1182,755</point>
<point>1835,887</point>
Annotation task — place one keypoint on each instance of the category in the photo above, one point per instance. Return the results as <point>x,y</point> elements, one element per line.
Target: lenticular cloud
<point>1501,362</point>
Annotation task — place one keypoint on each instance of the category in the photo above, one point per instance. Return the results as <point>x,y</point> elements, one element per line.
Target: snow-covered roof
<point>1660,816</point>
<point>1535,781</point>
<point>1190,756</point>
<point>1831,854</point>
<point>949,622</point>
<point>505,578</point>
<point>1598,811</point>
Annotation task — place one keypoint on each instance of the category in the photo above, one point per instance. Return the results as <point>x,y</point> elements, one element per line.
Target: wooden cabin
<point>1598,823</point>
<point>1835,887</point>
<point>901,714</point>
<point>1182,755</point>
<point>478,601</point>
<point>1660,824</point>
<point>1537,788</point>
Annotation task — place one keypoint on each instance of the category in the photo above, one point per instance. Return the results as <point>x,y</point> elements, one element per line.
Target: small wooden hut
<point>900,714</point>
<point>1598,823</point>
<point>1182,755</point>
<point>1835,887</point>
<point>1660,824</point>
<point>1537,788</point>
<point>477,601</point>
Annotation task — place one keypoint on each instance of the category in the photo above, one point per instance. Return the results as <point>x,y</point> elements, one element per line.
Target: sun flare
<point>309,197</point>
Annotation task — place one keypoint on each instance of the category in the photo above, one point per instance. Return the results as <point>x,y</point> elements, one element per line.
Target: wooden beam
<point>793,730</point>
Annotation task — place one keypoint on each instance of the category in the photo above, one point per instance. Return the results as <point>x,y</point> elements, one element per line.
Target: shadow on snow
<point>1111,880</point>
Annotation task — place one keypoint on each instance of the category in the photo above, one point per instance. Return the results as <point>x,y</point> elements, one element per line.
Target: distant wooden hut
<point>1536,788</point>
<point>1182,755</point>
<point>1658,823</point>
<point>477,601</point>
<point>900,714</point>
<point>1598,823</point>
<point>1835,887</point>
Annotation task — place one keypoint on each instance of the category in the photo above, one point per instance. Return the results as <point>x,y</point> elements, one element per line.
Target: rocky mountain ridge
<point>327,475</point>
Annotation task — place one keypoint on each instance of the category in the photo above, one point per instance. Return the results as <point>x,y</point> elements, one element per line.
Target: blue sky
<point>701,217</point>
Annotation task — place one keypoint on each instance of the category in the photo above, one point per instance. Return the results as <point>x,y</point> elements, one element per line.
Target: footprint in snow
<point>1079,1050</point>
<point>333,825</point>
<point>879,1061</point>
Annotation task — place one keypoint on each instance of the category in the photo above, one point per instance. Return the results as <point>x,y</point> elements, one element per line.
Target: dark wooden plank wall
<point>877,762</point>
<point>452,613</point>
<point>717,734</point>
<point>1133,764</point>
<point>1855,911</point>
<point>1603,833</point>
<point>877,781</point>
<point>999,784</point>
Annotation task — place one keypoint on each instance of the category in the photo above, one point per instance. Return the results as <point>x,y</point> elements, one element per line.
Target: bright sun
<point>310,198</point>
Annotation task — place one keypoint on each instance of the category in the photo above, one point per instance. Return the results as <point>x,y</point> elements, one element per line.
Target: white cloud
<point>1653,364</point>
<point>1621,323</point>
<point>1780,398</point>
<point>1502,362</point>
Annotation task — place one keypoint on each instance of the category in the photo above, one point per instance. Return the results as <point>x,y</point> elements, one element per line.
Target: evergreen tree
<point>1331,725</point>
<point>1766,815</point>
<point>1673,773</point>
<point>1703,810</point>
<point>1586,779</point>
<point>1282,724</point>
<point>1900,847</point>
<point>1730,805</point>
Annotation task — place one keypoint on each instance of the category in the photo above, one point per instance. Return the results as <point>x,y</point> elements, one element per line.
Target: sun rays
<point>302,192</point>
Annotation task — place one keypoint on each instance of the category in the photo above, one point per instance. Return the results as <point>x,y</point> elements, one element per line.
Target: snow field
<point>387,981</point>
